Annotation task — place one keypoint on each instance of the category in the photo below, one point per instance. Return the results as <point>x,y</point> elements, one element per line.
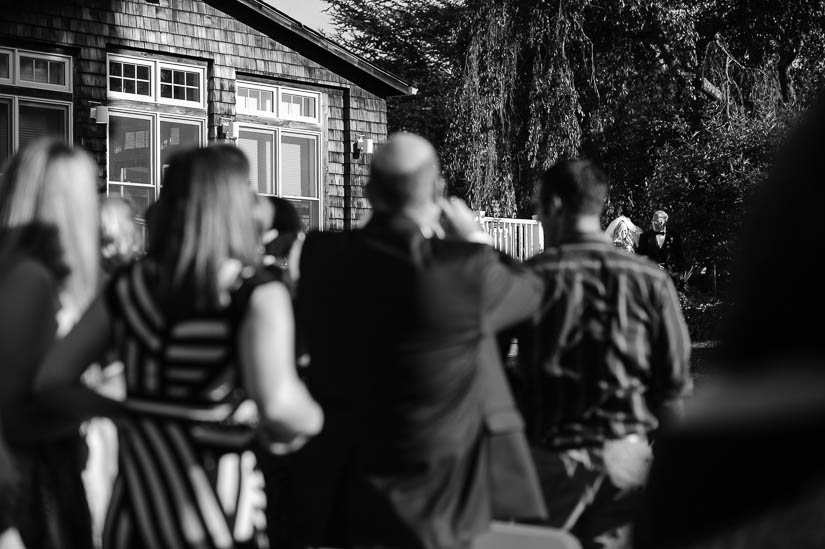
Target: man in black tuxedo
<point>663,246</point>
<point>401,325</point>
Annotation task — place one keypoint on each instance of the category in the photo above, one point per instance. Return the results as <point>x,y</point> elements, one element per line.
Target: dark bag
<point>514,486</point>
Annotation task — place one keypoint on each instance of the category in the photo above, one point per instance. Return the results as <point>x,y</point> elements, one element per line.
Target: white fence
<point>519,238</point>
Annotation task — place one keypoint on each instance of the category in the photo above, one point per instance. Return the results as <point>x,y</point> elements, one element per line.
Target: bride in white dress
<point>623,233</point>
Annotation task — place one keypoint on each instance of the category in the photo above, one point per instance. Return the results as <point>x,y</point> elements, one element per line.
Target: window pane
<point>129,86</point>
<point>180,93</point>
<point>143,72</point>
<point>27,69</point>
<point>179,77</point>
<point>5,132</point>
<point>299,160</point>
<point>130,152</point>
<point>114,84</point>
<point>308,211</point>
<point>192,79</point>
<point>175,136</point>
<point>140,198</point>
<point>309,107</point>
<point>143,88</point>
<point>115,68</point>
<point>128,70</point>
<point>192,94</point>
<point>252,102</point>
<point>5,65</point>
<point>39,120</point>
<point>57,73</point>
<point>166,90</point>
<point>266,101</point>
<point>259,150</point>
<point>166,75</point>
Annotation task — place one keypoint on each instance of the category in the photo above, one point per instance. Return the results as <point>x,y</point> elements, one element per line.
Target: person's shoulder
<point>24,272</point>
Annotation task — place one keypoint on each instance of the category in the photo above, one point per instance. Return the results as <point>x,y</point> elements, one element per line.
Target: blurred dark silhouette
<point>746,468</point>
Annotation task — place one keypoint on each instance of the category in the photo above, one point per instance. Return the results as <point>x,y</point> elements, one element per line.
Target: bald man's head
<point>404,174</point>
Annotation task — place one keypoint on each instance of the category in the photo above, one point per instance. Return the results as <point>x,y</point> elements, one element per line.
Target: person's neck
<point>588,225</point>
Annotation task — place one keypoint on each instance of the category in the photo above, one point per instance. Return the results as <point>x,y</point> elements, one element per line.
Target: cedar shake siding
<point>211,39</point>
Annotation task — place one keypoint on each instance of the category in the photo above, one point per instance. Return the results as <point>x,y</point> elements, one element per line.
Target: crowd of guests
<point>271,389</point>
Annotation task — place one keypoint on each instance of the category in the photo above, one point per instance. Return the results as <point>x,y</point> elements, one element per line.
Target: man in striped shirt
<point>605,360</point>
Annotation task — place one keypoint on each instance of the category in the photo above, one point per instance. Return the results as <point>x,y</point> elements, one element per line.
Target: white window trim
<point>155,118</point>
<point>277,131</point>
<point>303,93</point>
<point>253,112</point>
<point>155,66</point>
<point>67,77</point>
<point>10,79</point>
<point>179,67</point>
<point>14,69</point>
<point>303,134</point>
<point>15,116</point>
<point>277,92</point>
<point>133,61</point>
<point>276,146</point>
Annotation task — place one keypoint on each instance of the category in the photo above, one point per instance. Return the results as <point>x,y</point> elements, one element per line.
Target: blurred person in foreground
<point>206,338</point>
<point>9,536</point>
<point>603,364</point>
<point>119,247</point>
<point>746,467</point>
<point>422,431</point>
<point>48,276</point>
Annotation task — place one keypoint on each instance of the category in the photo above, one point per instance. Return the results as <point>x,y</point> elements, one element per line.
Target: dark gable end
<point>313,45</point>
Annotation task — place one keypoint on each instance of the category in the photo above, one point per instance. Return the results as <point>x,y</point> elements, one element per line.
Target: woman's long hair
<point>203,218</point>
<point>52,183</point>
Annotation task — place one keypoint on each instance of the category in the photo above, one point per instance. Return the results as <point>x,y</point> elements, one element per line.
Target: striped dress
<point>187,476</point>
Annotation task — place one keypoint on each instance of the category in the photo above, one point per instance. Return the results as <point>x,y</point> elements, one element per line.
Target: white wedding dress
<point>623,233</point>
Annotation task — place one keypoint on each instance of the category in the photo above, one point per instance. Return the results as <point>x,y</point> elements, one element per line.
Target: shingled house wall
<point>194,31</point>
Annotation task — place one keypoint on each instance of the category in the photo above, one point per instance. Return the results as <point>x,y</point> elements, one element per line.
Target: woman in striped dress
<point>206,339</point>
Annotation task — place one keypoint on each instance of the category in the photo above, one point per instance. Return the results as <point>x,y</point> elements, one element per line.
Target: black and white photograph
<point>412,274</point>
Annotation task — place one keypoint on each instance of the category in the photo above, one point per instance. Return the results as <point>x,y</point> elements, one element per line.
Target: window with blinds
<point>38,120</point>
<point>27,115</point>
<point>259,148</point>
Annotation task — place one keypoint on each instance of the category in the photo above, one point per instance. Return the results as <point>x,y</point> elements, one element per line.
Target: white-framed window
<point>129,78</point>
<point>278,102</point>
<point>142,79</point>
<point>24,120</point>
<point>140,145</point>
<point>256,99</point>
<point>299,105</point>
<point>6,64</point>
<point>33,69</point>
<point>287,163</point>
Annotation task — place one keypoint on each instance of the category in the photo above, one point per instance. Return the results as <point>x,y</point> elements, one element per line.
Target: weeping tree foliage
<point>515,108</point>
<point>682,102</point>
<point>416,40</point>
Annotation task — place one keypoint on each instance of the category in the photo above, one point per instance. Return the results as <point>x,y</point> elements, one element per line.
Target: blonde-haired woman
<point>48,276</point>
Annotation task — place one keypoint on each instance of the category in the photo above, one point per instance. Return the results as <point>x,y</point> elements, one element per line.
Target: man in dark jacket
<point>663,246</point>
<point>401,329</point>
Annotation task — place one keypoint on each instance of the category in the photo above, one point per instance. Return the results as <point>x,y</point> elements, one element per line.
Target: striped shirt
<point>608,349</point>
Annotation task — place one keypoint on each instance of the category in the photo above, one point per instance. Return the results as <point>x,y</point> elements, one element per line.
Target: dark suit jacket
<point>669,255</point>
<point>398,327</point>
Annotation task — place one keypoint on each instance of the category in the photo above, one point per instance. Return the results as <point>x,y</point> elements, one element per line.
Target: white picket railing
<point>519,238</point>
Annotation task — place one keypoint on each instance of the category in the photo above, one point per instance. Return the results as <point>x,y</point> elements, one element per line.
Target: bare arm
<point>267,352</point>
<point>58,380</point>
